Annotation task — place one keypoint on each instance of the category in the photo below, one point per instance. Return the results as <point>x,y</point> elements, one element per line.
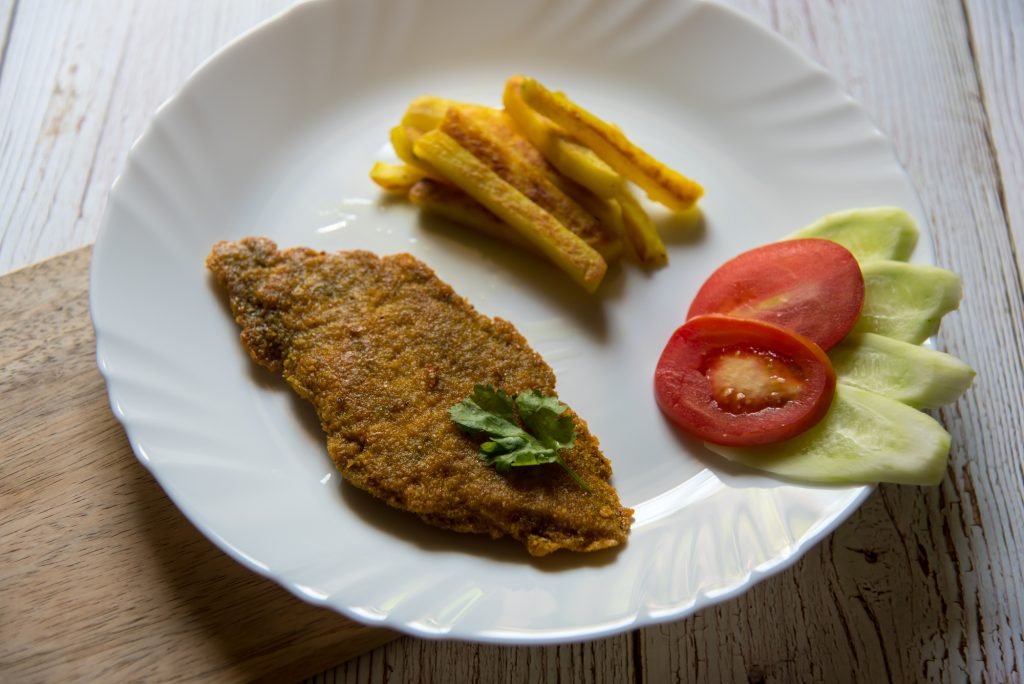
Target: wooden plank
<point>997,43</point>
<point>101,577</point>
<point>80,82</point>
<point>606,661</point>
<point>55,87</point>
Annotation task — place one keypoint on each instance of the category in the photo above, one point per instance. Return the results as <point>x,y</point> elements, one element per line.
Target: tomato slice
<point>812,286</point>
<point>742,382</point>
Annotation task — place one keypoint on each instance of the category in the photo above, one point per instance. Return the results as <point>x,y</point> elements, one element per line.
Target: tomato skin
<point>812,286</point>
<point>685,378</point>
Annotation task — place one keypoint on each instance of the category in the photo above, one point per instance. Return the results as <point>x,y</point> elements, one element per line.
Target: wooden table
<point>920,584</point>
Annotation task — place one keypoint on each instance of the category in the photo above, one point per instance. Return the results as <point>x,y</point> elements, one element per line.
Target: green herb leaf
<point>492,412</point>
<point>527,453</point>
<point>486,412</point>
<point>495,401</point>
<point>544,418</point>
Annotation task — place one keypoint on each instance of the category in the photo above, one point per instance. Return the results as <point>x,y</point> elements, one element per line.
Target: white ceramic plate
<point>275,136</point>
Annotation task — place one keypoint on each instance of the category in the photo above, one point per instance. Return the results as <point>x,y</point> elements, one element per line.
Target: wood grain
<point>101,577</point>
<point>80,83</point>
<point>997,46</point>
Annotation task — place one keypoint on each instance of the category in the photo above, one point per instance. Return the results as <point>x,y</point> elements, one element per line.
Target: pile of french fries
<point>542,173</point>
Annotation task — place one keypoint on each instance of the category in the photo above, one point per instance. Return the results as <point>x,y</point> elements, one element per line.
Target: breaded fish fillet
<point>382,348</point>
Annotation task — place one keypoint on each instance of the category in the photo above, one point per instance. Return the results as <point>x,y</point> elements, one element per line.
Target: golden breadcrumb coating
<point>382,348</point>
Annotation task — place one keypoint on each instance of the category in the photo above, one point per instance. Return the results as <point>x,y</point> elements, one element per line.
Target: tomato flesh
<point>747,379</point>
<point>742,382</point>
<point>812,286</point>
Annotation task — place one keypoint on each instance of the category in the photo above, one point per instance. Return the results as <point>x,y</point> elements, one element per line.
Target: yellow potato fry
<point>453,204</point>
<point>403,150</point>
<point>662,184</point>
<point>424,114</point>
<point>489,135</point>
<point>395,177</point>
<point>403,145</point>
<point>607,212</point>
<point>572,159</point>
<point>566,249</point>
<point>640,232</point>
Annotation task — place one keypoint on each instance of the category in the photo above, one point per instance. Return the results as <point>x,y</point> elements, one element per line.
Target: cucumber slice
<point>870,234</point>
<point>906,301</point>
<point>908,373</point>
<point>863,439</point>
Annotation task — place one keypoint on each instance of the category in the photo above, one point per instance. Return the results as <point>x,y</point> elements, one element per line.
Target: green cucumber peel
<point>865,438</point>
<point>906,301</point>
<point>909,373</point>
<point>870,234</point>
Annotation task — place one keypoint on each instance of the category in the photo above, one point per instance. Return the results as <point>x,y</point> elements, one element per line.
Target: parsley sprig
<point>492,412</point>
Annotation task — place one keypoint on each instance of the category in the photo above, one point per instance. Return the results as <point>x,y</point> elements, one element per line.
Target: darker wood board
<point>101,577</point>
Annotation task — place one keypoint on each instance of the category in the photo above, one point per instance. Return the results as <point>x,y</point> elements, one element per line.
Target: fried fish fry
<point>453,204</point>
<point>572,159</point>
<point>382,348</point>
<point>559,244</point>
<point>661,183</point>
<point>490,136</point>
<point>395,177</point>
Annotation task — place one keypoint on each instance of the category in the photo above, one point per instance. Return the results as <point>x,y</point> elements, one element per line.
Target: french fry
<point>403,150</point>
<point>607,239</point>
<point>395,177</point>
<point>424,114</point>
<point>402,145</point>
<point>661,183</point>
<point>607,212</point>
<point>582,165</point>
<point>490,136</point>
<point>640,232</point>
<point>453,204</point>
<point>566,249</point>
<point>575,161</point>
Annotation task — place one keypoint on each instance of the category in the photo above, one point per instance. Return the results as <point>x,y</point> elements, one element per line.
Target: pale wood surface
<point>101,577</point>
<point>919,585</point>
<point>996,40</point>
<point>80,81</point>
